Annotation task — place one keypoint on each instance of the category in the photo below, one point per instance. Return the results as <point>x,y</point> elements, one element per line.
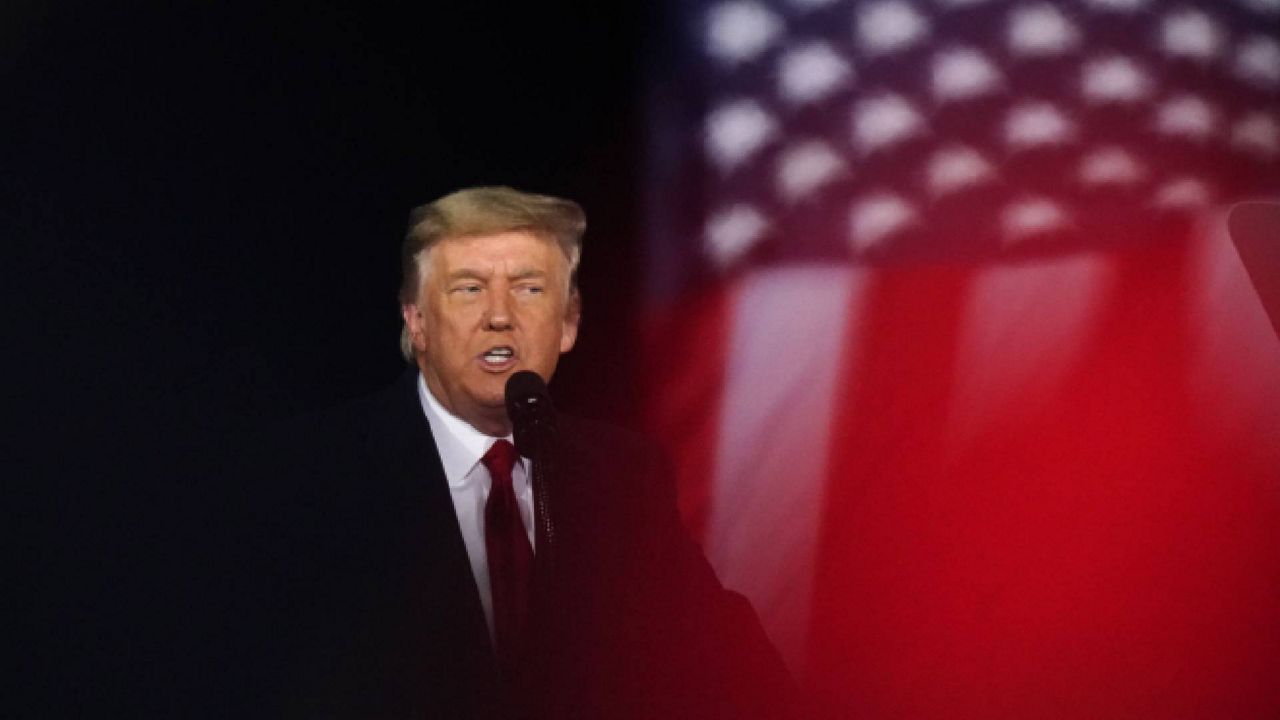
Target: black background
<point>203,204</point>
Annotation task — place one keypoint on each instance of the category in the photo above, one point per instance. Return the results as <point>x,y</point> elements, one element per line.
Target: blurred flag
<point>966,387</point>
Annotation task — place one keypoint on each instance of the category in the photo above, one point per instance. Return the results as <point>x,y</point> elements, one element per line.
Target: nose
<point>498,314</point>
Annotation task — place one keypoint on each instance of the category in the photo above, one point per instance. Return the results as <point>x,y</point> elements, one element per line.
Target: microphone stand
<point>533,420</point>
<point>543,471</point>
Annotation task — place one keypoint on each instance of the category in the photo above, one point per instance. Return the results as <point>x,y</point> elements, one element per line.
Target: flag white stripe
<point>1023,329</point>
<point>787,343</point>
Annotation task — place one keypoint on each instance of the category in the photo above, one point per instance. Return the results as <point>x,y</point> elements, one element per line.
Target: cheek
<point>454,321</point>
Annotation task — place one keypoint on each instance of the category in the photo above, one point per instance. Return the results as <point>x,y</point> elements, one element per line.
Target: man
<point>406,580</point>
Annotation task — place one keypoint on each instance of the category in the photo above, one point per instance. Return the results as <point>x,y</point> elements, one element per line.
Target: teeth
<point>499,354</point>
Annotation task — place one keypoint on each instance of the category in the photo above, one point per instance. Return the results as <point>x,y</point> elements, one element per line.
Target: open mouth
<point>498,358</point>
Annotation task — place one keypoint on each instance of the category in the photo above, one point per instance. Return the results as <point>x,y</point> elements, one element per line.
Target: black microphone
<point>1255,229</point>
<point>533,423</point>
<point>533,417</point>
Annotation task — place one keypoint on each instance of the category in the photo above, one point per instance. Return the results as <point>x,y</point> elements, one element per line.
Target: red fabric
<point>1103,542</point>
<point>684,364</point>
<point>510,558</point>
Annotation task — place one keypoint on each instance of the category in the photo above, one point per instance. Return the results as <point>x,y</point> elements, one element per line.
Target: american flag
<point>962,378</point>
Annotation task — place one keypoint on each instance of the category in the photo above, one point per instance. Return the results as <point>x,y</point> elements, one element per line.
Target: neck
<point>496,426</point>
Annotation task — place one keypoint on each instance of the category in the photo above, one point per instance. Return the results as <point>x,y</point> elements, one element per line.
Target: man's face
<point>489,306</point>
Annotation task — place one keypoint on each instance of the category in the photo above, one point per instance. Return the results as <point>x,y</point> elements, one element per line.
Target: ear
<point>572,318</point>
<point>415,325</point>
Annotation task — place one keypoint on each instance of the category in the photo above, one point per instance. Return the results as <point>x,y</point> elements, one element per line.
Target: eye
<point>530,289</point>
<point>467,289</point>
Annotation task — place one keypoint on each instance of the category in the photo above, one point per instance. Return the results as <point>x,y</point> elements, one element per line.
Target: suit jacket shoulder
<point>363,592</point>
<point>662,637</point>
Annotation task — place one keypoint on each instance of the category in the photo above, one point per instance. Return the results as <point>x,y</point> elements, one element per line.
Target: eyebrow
<point>528,274</point>
<point>473,274</point>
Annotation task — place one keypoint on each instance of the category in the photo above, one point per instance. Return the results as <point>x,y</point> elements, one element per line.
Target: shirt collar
<point>460,445</point>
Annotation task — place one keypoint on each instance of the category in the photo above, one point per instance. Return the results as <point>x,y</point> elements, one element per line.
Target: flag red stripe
<point>684,364</point>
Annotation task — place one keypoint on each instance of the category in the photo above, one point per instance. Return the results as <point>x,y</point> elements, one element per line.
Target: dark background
<point>205,201</point>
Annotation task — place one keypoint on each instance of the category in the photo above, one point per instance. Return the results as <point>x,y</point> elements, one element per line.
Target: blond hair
<point>485,211</point>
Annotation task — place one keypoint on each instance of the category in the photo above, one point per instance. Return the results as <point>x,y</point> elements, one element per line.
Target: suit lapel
<point>444,620</point>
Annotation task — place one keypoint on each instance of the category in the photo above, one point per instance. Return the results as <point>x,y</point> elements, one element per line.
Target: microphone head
<point>531,412</point>
<point>526,393</point>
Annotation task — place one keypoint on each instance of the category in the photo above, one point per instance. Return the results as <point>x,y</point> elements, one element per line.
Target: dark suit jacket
<point>366,606</point>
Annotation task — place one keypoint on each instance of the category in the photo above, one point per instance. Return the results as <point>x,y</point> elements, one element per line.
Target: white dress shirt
<point>461,446</point>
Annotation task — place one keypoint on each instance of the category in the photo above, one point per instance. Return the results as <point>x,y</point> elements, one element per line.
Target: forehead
<point>510,250</point>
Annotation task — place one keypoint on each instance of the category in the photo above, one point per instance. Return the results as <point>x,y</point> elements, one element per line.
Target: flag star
<point>878,217</point>
<point>811,72</point>
<point>1191,34</point>
<point>1265,7</point>
<point>884,121</point>
<point>732,233</point>
<point>1030,216</point>
<point>963,73</point>
<point>1118,5</point>
<point>806,167</point>
<point>1036,124</point>
<point>741,31</point>
<point>1183,193</point>
<point>889,26</point>
<point>1258,62</point>
<point>1110,166</point>
<point>1040,30</point>
<point>1257,133</point>
<point>738,130</point>
<point>957,167</point>
<point>1187,116</point>
<point>1114,79</point>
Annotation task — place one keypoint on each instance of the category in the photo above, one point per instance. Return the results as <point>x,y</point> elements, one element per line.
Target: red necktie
<point>510,558</point>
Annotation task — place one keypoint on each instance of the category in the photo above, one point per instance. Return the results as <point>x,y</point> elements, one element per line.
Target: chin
<point>493,395</point>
